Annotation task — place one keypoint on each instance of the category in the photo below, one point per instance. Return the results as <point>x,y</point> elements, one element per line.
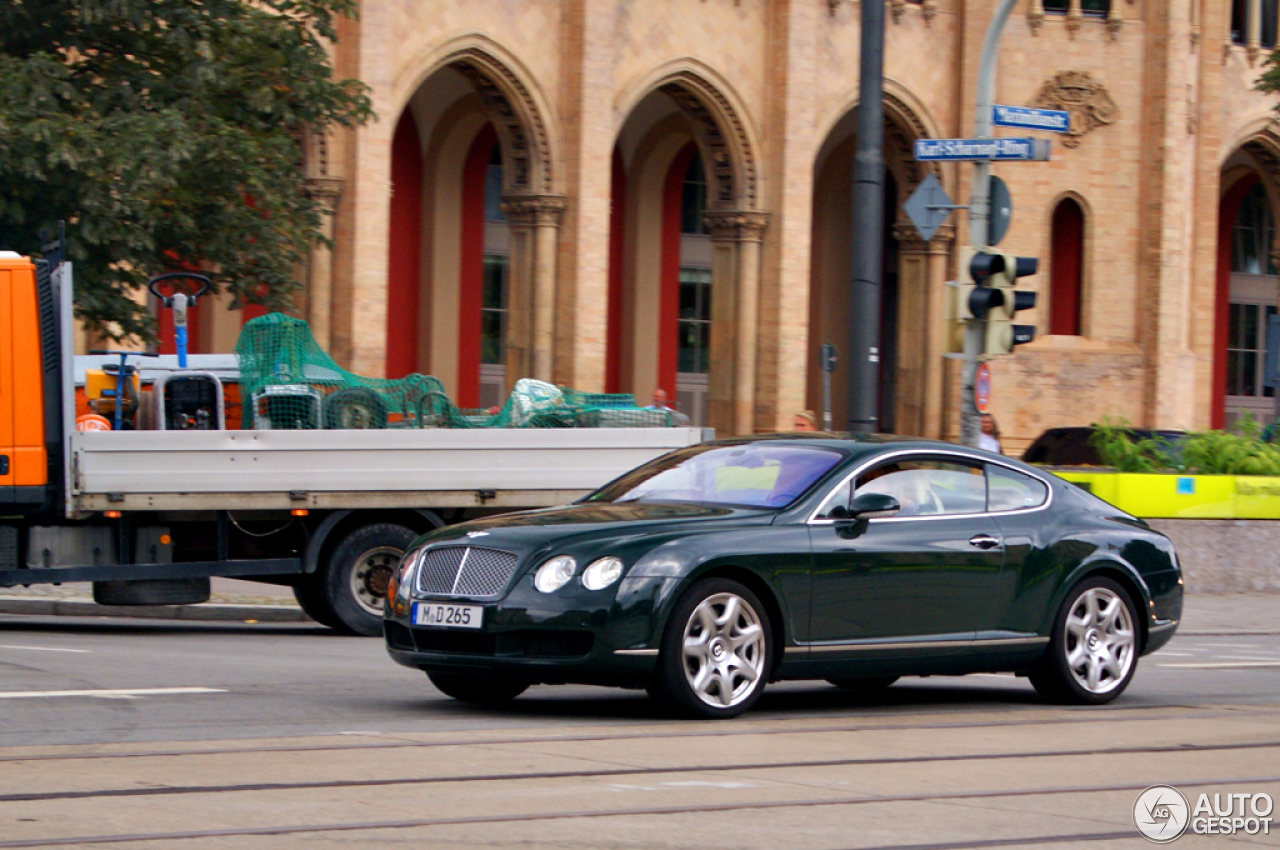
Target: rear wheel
<point>1093,651</point>
<point>310,593</point>
<point>716,651</point>
<point>359,571</point>
<point>480,689</point>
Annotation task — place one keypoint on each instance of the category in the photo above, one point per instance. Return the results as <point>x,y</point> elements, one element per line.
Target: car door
<point>923,576</point>
<point>1018,502</point>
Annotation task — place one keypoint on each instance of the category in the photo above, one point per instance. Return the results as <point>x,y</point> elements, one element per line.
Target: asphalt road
<point>151,734</point>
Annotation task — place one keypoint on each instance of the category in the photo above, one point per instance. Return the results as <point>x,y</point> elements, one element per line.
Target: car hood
<point>529,530</point>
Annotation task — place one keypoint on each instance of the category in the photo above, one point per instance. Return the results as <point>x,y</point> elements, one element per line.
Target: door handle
<point>984,541</point>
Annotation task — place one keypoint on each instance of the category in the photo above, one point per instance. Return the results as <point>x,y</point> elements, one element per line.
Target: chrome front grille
<point>465,571</point>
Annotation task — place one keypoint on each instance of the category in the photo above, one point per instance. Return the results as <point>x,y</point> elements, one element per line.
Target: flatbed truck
<point>149,516</point>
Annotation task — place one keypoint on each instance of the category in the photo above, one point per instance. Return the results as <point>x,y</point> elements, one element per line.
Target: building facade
<point>622,195</point>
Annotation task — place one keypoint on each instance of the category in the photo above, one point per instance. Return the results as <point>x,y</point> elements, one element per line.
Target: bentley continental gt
<point>715,569</point>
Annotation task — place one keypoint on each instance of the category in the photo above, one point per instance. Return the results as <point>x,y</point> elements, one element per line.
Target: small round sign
<point>982,388</point>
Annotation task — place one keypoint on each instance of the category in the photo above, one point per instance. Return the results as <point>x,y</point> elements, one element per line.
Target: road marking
<point>41,648</point>
<point>110,694</point>
<point>1220,665</point>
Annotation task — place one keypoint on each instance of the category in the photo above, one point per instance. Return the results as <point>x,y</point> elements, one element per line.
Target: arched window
<point>1066,276</point>
<point>1253,22</point>
<point>693,350</point>
<point>1253,235</point>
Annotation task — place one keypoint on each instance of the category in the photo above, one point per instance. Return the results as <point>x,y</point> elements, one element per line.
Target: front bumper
<point>571,636</point>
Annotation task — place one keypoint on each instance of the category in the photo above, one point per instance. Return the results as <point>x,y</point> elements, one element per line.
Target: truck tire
<point>358,572</point>
<point>355,407</point>
<point>167,591</point>
<point>310,593</point>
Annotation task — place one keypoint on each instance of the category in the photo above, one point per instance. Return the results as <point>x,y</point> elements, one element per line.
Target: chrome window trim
<point>814,519</point>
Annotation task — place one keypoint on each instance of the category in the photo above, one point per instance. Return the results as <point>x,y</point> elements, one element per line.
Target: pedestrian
<point>805,421</point>
<point>989,439</point>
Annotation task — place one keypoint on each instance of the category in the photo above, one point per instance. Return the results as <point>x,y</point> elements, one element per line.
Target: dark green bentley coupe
<point>712,570</point>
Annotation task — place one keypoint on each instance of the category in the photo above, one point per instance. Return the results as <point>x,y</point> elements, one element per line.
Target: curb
<point>205,611</point>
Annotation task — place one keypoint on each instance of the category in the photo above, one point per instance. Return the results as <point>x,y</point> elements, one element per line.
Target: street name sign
<point>1026,118</point>
<point>972,150</point>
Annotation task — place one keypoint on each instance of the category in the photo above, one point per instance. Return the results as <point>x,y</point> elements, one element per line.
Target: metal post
<point>980,216</point>
<point>868,227</point>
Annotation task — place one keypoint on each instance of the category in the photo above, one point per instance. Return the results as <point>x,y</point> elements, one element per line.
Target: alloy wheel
<point>1100,640</point>
<point>723,650</point>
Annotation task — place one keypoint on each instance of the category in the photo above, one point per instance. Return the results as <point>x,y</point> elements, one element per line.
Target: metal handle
<point>167,300</point>
<point>984,541</point>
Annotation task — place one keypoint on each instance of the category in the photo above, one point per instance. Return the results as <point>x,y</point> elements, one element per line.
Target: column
<point>325,191</point>
<point>735,300</point>
<point>531,296</point>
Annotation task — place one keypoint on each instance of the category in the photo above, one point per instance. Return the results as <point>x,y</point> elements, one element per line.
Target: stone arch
<point>515,105</point>
<point>722,128</point>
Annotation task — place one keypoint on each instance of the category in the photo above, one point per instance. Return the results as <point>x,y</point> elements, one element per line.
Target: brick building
<point>620,195</point>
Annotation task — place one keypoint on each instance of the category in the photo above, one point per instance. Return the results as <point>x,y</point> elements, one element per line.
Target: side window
<point>1012,491</point>
<point>928,487</point>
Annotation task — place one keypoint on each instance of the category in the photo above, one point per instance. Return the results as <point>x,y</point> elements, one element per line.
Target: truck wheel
<point>360,570</point>
<point>310,593</point>
<point>355,407</point>
<point>167,591</point>
<point>474,688</point>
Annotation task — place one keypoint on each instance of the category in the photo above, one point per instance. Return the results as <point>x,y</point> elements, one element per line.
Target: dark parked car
<point>1074,446</point>
<point>712,570</point>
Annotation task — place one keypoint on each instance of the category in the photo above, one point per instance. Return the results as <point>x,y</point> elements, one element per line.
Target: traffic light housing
<point>985,291</point>
<point>1005,301</point>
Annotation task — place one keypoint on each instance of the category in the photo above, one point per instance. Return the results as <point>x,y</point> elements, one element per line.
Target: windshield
<point>764,475</point>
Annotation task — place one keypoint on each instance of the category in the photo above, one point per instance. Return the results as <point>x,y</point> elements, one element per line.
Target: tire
<point>716,651</point>
<point>310,593</point>
<point>1093,649</point>
<point>354,408</point>
<point>355,581</point>
<point>865,686</point>
<point>168,591</point>
<point>487,690</point>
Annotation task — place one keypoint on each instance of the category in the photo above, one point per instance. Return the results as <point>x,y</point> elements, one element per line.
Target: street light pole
<point>979,215</point>
<point>868,227</point>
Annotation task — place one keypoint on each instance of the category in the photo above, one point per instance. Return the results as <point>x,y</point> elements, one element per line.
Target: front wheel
<point>1093,651</point>
<point>716,651</point>
<point>479,689</point>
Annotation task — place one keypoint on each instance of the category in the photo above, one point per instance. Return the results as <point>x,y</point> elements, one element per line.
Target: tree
<point>166,133</point>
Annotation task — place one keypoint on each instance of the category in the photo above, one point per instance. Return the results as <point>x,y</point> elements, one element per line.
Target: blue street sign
<point>1053,120</point>
<point>1027,150</point>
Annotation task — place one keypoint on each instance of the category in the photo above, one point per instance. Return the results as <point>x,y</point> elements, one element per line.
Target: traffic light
<point>1003,302</point>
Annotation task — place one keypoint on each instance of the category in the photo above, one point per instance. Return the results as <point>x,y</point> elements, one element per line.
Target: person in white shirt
<point>989,439</point>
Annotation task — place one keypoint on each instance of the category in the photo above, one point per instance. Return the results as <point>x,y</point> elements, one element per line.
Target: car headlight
<point>602,573</point>
<point>402,580</point>
<point>554,574</point>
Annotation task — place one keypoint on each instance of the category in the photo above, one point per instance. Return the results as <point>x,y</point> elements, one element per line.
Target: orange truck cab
<point>29,421</point>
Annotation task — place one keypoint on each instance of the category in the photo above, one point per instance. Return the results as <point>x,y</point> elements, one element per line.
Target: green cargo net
<point>287,381</point>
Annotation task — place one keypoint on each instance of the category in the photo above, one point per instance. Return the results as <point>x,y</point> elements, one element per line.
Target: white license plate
<point>447,616</point>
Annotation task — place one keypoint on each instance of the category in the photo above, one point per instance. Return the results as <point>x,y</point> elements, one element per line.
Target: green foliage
<point>1198,453</point>
<point>1123,450</point>
<point>165,133</point>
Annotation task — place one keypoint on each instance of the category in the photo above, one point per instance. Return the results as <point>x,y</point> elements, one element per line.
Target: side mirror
<point>872,503</point>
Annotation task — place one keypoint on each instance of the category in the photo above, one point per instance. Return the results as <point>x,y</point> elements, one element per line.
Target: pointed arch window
<point>1066,277</point>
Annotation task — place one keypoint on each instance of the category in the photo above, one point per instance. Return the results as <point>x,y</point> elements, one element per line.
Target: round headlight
<point>554,574</point>
<point>402,583</point>
<point>602,573</point>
